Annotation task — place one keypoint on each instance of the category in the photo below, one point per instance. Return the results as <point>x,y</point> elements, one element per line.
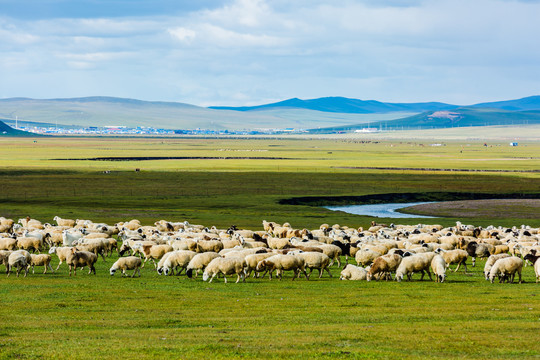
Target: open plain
<point>226,181</point>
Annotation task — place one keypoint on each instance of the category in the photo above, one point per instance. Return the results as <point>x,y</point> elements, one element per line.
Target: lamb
<point>174,260</point>
<point>199,262</point>
<point>62,252</point>
<point>384,265</point>
<point>352,272</point>
<point>314,260</point>
<point>506,267</point>
<point>366,257</point>
<point>534,260</point>
<point>18,260</point>
<point>456,256</point>
<point>225,266</point>
<point>82,259</point>
<point>411,264</point>
<point>41,260</point>
<point>127,263</point>
<point>490,261</point>
<point>29,243</point>
<point>282,263</point>
<point>438,265</point>
<point>64,222</point>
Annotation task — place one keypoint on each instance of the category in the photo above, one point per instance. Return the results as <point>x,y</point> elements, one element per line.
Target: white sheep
<point>200,262</point>
<point>353,272</point>
<point>176,260</point>
<point>365,257</point>
<point>314,260</point>
<point>282,263</point>
<point>62,252</point>
<point>457,256</point>
<point>225,266</point>
<point>41,260</point>
<point>438,266</point>
<point>490,261</point>
<point>64,222</point>
<point>82,259</point>
<point>18,260</point>
<point>127,263</point>
<point>252,260</point>
<point>383,266</point>
<point>8,243</point>
<point>506,268</point>
<point>412,264</point>
<point>534,260</point>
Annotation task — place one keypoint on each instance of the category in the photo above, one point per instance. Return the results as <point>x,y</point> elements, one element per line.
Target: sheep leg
<point>33,269</point>
<point>473,262</point>
<point>224,278</point>
<point>338,261</point>
<point>328,270</point>
<point>26,272</point>
<point>102,256</point>
<point>320,272</point>
<point>58,265</point>
<point>429,274</point>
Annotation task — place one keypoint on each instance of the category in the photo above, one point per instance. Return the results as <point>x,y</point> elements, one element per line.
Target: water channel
<point>380,210</point>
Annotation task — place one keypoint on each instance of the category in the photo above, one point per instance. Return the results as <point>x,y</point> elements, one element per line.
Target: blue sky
<point>246,52</point>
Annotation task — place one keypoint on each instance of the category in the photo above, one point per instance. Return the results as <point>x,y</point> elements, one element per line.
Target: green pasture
<point>89,317</point>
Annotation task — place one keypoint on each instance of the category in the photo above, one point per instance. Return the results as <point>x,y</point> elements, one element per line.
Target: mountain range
<point>326,114</point>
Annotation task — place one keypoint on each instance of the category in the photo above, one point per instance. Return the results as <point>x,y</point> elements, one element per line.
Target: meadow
<point>89,316</point>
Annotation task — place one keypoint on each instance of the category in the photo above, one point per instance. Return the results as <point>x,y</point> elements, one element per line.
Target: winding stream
<point>380,210</point>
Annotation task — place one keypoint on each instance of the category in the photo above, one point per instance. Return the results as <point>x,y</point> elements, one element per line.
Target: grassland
<point>88,316</point>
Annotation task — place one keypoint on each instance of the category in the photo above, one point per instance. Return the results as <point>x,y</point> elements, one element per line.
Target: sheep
<point>4,255</point>
<point>82,259</point>
<point>352,272</point>
<point>184,244</point>
<point>384,265</point>
<point>490,261</point>
<point>366,257</point>
<point>29,243</point>
<point>456,256</point>
<point>199,262</point>
<point>64,222</point>
<point>95,246</point>
<point>412,264</point>
<point>127,263</point>
<point>69,237</point>
<point>506,268</point>
<point>18,260</point>
<point>8,244</point>
<point>282,263</point>
<point>252,260</point>
<point>333,252</point>
<point>278,243</point>
<point>174,260</point>
<point>438,265</point>
<point>209,245</point>
<point>62,252</point>
<point>225,266</point>
<point>480,250</point>
<point>41,260</point>
<point>315,260</point>
<point>154,252</point>
<point>534,260</point>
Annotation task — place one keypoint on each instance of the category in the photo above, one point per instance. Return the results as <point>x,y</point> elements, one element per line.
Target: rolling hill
<point>6,130</point>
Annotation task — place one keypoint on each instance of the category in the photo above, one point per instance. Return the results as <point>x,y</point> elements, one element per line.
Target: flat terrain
<point>88,317</point>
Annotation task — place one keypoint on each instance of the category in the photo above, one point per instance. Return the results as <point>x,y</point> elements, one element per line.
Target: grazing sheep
<point>154,252</point>
<point>438,265</point>
<point>64,222</point>
<point>29,244</point>
<point>412,264</point>
<point>278,243</point>
<point>41,260</point>
<point>352,272</point>
<point>199,262</point>
<point>456,256</point>
<point>95,246</point>
<point>69,237</point>
<point>383,266</point>
<point>506,268</point>
<point>534,260</point>
<point>209,245</point>
<point>82,259</point>
<point>282,263</point>
<point>175,260</point>
<point>225,266</point>
<point>366,257</point>
<point>314,260</point>
<point>4,255</point>
<point>8,243</point>
<point>127,263</point>
<point>252,260</point>
<point>333,252</point>
<point>62,252</point>
<point>480,250</point>
<point>490,261</point>
<point>18,260</point>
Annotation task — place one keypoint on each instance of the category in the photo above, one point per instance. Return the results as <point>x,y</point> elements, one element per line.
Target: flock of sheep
<point>380,252</point>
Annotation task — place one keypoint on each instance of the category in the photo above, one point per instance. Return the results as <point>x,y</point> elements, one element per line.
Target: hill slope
<point>6,130</point>
<point>345,105</point>
<point>524,104</point>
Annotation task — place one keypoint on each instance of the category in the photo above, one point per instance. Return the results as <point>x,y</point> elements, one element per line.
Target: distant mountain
<point>459,117</point>
<point>344,105</point>
<point>6,130</point>
<point>524,104</point>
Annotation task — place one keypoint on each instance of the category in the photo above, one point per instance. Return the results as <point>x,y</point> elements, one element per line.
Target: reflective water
<point>379,210</point>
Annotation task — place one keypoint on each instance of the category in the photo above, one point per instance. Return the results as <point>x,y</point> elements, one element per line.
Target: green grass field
<point>90,317</point>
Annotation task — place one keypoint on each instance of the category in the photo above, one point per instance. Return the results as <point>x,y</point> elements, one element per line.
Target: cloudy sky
<point>246,52</point>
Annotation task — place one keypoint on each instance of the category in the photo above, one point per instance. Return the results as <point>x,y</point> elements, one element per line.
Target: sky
<point>248,52</point>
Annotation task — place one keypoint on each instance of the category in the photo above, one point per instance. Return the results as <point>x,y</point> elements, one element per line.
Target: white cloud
<point>182,34</point>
